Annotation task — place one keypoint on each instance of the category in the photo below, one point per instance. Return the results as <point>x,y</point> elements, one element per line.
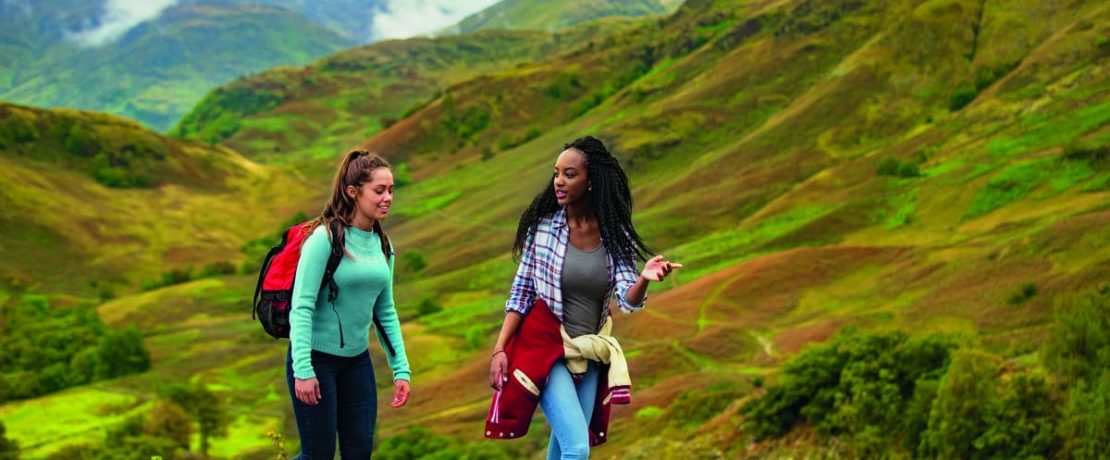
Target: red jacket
<point>532,351</point>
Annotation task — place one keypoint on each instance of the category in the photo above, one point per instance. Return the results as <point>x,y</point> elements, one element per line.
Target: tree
<point>962,406</point>
<point>171,421</point>
<point>1085,425</point>
<point>9,449</point>
<point>121,353</point>
<point>206,408</point>
<point>1079,347</point>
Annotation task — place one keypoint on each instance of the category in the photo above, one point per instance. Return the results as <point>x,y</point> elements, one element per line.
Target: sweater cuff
<point>403,375</point>
<point>305,374</point>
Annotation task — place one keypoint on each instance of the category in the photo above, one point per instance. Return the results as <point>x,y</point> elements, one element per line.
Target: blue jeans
<point>348,406</point>
<point>568,406</point>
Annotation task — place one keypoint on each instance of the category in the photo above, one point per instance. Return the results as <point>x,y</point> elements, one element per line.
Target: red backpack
<point>273,295</point>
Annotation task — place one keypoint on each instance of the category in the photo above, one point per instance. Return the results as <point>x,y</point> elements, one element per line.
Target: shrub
<point>9,449</point>
<point>895,167</point>
<point>1027,291</point>
<point>1079,346</point>
<point>960,414</point>
<point>121,352</point>
<point>17,130</point>
<point>961,98</point>
<point>887,167</point>
<point>428,306</point>
<point>412,261</point>
<point>908,170</point>
<point>1085,418</point>
<point>476,337</point>
<point>853,384</point>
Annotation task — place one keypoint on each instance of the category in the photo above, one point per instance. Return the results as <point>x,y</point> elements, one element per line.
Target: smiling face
<point>373,198</point>
<point>570,179</point>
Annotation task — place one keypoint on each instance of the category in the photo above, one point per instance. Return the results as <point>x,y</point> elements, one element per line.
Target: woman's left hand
<point>657,268</point>
<point>400,393</point>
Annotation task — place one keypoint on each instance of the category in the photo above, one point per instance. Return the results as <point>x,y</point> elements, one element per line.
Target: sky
<point>119,17</point>
<point>398,19</point>
<point>407,18</point>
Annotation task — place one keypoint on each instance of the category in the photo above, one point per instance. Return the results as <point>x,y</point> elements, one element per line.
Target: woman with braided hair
<point>577,250</point>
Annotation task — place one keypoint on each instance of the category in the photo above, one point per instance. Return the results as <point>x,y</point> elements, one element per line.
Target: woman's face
<point>570,180</point>
<point>374,198</point>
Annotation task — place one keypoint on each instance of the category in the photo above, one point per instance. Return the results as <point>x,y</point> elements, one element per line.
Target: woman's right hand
<point>307,390</point>
<point>498,364</point>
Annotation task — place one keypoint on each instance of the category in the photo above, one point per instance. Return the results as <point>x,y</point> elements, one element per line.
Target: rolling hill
<point>894,166</point>
<point>96,203</point>
<point>160,68</point>
<point>551,16</point>
<point>298,115</point>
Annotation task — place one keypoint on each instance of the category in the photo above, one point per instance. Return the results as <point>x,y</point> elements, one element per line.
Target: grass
<point>71,417</point>
<point>751,163</point>
<point>1009,185</point>
<point>713,252</point>
<point>1044,130</point>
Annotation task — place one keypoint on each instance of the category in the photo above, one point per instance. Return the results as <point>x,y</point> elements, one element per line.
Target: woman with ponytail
<point>328,368</point>
<point>577,250</point>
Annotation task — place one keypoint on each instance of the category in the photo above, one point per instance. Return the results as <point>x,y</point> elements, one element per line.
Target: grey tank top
<point>585,283</point>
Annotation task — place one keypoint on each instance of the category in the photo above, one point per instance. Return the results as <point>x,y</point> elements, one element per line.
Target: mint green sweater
<point>365,280</point>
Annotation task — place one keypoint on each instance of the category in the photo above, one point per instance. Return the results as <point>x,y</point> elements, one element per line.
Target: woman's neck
<point>362,222</point>
<point>580,212</point>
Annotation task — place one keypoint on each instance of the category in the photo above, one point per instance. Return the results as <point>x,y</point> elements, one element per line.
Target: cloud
<point>408,18</point>
<point>119,17</point>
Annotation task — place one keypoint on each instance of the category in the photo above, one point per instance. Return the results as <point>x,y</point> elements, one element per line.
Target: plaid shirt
<point>541,272</point>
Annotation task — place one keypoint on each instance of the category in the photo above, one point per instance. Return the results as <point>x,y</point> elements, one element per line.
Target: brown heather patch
<point>791,341</point>
<point>980,291</point>
<point>767,287</point>
<point>654,324</point>
<point>724,344</point>
<point>657,362</point>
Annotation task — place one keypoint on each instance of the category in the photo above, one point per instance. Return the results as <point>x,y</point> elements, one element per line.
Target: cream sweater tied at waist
<point>603,348</point>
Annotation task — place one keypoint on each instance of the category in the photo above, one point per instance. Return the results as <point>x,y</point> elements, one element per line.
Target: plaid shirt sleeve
<point>522,294</point>
<point>625,277</point>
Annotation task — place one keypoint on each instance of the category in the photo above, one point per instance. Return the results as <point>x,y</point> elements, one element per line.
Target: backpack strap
<point>334,258</point>
<point>378,326</point>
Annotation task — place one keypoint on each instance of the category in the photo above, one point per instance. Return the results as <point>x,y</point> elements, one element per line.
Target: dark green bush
<point>49,349</point>
<point>961,98</point>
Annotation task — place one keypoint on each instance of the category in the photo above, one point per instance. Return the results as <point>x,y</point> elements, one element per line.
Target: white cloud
<point>408,18</point>
<point>119,17</point>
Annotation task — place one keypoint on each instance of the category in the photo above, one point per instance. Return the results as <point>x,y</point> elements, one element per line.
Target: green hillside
<point>290,115</point>
<point>94,203</point>
<point>552,16</point>
<point>157,71</point>
<point>906,170</point>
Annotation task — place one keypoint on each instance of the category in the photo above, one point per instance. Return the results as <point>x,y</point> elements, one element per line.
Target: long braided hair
<point>611,198</point>
<point>356,169</point>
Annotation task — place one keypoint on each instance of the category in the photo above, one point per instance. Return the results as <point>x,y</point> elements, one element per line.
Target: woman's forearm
<point>508,328</point>
<point>637,291</point>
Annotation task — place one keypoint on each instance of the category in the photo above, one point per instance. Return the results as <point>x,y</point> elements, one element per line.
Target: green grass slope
<point>552,16</point>
<point>95,203</point>
<point>290,115</point>
<point>754,133</point>
<point>925,167</point>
